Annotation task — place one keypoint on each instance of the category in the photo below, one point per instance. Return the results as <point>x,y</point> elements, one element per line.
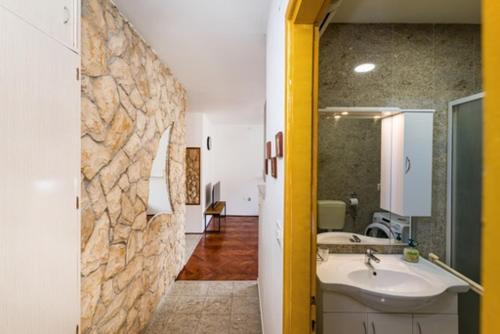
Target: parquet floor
<point>230,255</point>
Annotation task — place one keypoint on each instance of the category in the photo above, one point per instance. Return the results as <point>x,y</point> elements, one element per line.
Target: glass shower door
<point>466,193</point>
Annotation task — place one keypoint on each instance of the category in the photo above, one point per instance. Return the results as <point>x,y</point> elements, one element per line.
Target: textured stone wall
<point>418,66</point>
<point>349,161</point>
<point>129,98</point>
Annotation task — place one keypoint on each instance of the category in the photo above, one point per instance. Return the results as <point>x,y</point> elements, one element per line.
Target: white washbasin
<point>343,238</point>
<point>394,285</point>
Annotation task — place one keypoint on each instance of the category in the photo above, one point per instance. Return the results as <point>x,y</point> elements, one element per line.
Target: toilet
<point>331,215</point>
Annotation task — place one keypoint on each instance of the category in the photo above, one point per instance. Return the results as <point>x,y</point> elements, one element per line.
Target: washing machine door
<point>378,230</point>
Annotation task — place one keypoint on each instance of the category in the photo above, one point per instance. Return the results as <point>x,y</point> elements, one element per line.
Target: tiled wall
<point>418,66</point>
<point>349,161</point>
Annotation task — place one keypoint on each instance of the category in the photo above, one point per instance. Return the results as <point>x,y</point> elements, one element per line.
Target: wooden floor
<point>228,255</point>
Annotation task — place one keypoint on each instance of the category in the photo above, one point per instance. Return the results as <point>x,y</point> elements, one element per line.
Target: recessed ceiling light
<point>345,113</point>
<point>336,116</point>
<point>364,68</point>
<point>377,117</point>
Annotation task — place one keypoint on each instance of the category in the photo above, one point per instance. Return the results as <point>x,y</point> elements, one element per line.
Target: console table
<point>216,211</point>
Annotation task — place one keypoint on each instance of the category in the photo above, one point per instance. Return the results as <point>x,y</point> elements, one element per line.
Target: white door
<point>345,323</point>
<point>40,169</point>
<point>389,323</point>
<point>435,324</point>
<point>56,18</point>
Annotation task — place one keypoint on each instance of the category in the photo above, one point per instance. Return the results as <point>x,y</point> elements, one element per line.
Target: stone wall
<point>129,98</point>
<point>418,66</point>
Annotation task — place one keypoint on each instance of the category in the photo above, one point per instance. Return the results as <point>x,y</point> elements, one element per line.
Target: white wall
<point>237,162</point>
<point>271,221</point>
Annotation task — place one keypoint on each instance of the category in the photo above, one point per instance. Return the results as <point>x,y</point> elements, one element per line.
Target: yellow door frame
<point>302,43</point>
<point>490,307</point>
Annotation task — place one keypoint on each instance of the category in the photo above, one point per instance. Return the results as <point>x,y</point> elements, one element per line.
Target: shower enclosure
<point>465,166</point>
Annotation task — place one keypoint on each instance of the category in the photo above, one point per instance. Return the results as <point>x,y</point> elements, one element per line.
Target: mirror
<point>159,190</point>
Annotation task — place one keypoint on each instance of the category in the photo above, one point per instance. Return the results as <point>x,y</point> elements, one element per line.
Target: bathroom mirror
<point>354,175</point>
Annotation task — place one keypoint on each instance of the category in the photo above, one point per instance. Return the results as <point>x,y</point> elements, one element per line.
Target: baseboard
<point>250,216</point>
<point>260,306</point>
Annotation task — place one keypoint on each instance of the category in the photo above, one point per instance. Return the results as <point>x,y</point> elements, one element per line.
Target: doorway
<point>465,168</point>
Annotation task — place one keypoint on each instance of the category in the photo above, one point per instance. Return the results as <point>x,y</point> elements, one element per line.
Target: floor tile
<point>245,305</point>
<point>217,305</point>
<point>189,304</point>
<point>214,324</point>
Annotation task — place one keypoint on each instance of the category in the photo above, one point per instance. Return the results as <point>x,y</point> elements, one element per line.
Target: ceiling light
<point>337,116</point>
<point>364,68</point>
<point>377,117</point>
<point>344,113</point>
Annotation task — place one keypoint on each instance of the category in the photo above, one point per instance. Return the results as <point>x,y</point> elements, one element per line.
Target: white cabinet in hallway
<point>40,168</point>
<point>57,18</point>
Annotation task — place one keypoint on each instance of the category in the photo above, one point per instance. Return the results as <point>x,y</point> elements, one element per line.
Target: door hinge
<point>77,329</point>
<point>313,300</point>
<point>78,74</point>
<point>313,325</point>
<point>77,202</point>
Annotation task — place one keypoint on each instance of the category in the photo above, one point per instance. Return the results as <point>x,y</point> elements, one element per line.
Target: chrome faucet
<point>370,255</point>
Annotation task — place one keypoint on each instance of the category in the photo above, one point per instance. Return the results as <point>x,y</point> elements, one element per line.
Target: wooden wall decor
<point>279,144</point>
<point>274,167</point>
<point>269,150</point>
<point>193,175</point>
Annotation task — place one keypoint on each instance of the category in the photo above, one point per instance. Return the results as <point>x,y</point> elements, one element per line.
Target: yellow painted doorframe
<point>490,307</point>
<point>302,42</point>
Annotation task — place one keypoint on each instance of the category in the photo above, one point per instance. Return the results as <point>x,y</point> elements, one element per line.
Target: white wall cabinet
<point>40,168</point>
<point>57,18</point>
<point>410,190</point>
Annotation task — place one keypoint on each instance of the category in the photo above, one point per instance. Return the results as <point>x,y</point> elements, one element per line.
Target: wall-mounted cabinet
<point>57,18</point>
<point>408,138</point>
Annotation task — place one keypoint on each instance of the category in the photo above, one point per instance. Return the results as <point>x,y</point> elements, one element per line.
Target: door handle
<point>408,165</point>
<point>373,328</point>
<point>419,328</point>
<point>67,15</point>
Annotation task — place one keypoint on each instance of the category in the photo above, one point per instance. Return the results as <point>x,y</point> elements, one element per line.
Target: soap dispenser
<point>411,253</point>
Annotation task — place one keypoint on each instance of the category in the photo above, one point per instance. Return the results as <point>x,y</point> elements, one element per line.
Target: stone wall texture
<point>129,98</point>
<point>418,66</point>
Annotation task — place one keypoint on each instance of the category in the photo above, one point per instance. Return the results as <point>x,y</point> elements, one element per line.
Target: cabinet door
<point>435,324</point>
<point>345,323</point>
<point>57,18</point>
<point>385,164</point>
<point>417,164</point>
<point>389,323</point>
<point>40,168</point>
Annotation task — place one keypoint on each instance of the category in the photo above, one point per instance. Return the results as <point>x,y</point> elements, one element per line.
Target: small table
<point>215,211</point>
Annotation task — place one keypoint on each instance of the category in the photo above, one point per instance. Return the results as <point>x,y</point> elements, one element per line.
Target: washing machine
<point>389,226</point>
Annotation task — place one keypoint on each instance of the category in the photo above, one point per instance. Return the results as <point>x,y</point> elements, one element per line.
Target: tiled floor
<point>208,307</point>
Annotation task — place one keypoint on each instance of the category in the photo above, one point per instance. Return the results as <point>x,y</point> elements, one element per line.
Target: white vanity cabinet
<point>408,138</point>
<point>58,19</point>
<point>341,314</point>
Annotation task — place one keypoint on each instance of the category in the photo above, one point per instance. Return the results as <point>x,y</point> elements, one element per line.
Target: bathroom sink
<point>393,284</point>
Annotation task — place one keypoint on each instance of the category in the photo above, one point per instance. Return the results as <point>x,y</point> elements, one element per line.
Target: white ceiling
<point>216,48</point>
<point>409,11</point>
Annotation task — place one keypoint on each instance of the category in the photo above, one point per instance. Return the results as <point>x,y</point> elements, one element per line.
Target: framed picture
<point>274,167</point>
<point>193,163</point>
<point>269,150</point>
<point>279,144</point>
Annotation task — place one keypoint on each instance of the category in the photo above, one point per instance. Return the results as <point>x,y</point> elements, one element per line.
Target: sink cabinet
<point>341,314</point>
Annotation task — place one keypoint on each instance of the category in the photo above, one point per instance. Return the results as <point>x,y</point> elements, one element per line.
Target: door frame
<point>451,105</point>
<point>301,112</point>
<point>490,262</point>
